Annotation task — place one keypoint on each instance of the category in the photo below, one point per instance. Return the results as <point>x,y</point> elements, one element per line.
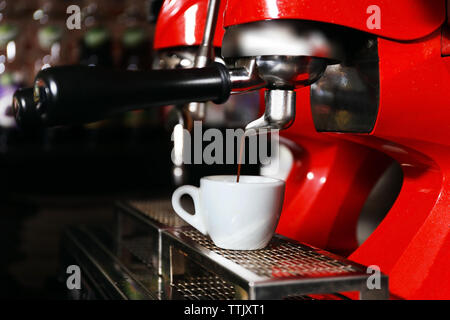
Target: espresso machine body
<point>367,86</point>
<point>179,34</point>
<point>390,92</point>
<point>336,162</point>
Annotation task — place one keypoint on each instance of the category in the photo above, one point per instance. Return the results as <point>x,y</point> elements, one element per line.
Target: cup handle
<point>193,219</point>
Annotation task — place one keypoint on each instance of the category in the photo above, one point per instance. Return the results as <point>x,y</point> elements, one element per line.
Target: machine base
<point>144,258</point>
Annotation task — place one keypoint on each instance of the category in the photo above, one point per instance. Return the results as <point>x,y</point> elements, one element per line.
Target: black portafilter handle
<point>80,94</point>
<point>24,108</point>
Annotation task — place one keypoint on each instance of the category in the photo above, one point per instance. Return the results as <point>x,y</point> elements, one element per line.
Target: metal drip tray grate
<point>279,259</point>
<point>204,288</point>
<point>158,210</point>
<point>187,264</point>
<point>139,225</point>
<point>285,269</point>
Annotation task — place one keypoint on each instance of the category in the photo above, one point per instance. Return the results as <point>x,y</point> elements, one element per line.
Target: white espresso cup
<point>237,216</point>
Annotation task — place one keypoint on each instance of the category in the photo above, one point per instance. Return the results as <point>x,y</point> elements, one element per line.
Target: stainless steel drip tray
<point>139,225</point>
<point>285,268</point>
<point>158,211</point>
<point>150,249</point>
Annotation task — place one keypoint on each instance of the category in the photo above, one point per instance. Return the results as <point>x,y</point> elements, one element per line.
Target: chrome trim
<point>244,76</point>
<point>206,50</point>
<point>191,267</point>
<point>279,112</point>
<point>284,268</point>
<point>282,38</point>
<point>279,55</point>
<point>205,54</point>
<point>346,97</point>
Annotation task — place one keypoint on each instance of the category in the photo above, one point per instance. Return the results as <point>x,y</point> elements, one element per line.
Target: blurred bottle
<point>138,22</point>
<point>48,42</point>
<point>96,42</point>
<point>47,11</point>
<point>153,9</point>
<point>72,35</point>
<point>12,71</point>
<point>96,49</point>
<point>15,9</point>
<point>49,46</point>
<point>136,51</point>
<point>136,55</point>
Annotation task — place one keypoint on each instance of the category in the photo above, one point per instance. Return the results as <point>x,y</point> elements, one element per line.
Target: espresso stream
<point>241,151</point>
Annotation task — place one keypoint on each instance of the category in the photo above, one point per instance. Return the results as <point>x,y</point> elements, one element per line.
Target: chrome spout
<point>279,113</point>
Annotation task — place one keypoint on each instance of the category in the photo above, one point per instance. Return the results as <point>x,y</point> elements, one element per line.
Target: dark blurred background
<point>52,178</point>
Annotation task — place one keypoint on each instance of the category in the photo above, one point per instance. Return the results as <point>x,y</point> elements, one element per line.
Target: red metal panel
<point>412,243</point>
<point>182,23</point>
<point>328,185</point>
<point>400,19</point>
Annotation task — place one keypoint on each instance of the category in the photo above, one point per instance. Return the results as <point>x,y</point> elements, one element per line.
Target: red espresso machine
<point>403,112</point>
<point>365,82</point>
<point>337,163</point>
<point>387,73</point>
